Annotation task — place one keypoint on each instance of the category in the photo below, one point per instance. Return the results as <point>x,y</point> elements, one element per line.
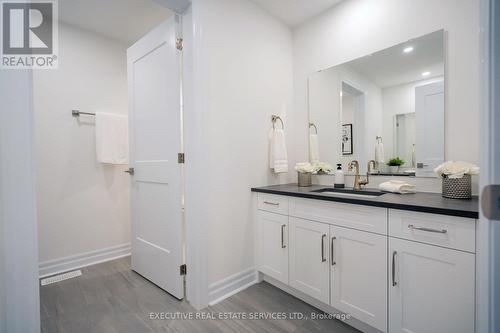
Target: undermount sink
<point>349,192</point>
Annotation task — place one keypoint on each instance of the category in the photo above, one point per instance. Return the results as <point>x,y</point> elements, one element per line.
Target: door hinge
<point>179,44</point>
<point>183,269</point>
<point>180,158</point>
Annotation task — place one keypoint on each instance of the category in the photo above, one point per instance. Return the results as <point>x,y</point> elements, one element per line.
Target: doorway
<point>118,81</point>
<point>353,125</point>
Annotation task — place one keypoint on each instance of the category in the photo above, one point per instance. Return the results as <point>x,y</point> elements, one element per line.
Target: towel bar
<point>77,113</point>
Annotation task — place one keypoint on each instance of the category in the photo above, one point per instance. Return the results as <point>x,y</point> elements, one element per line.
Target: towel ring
<point>314,126</point>
<point>274,118</point>
<point>378,138</point>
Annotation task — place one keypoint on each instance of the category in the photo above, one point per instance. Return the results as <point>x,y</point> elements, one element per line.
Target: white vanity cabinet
<point>391,270</point>
<point>309,268</point>
<point>272,241</point>
<point>431,288</point>
<point>359,275</point>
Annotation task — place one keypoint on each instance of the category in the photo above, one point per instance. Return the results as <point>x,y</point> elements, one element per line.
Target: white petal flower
<point>304,167</point>
<point>322,167</point>
<point>456,169</point>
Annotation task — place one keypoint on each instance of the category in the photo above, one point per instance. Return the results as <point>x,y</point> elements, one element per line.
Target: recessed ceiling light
<point>408,49</point>
<point>426,73</point>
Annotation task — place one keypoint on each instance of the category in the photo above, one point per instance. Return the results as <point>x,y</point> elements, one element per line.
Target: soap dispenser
<point>339,177</point>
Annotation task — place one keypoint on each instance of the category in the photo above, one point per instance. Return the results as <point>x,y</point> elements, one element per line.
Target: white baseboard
<point>60,265</point>
<point>231,285</point>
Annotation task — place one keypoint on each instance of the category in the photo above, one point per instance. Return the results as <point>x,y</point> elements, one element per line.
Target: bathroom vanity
<point>395,263</point>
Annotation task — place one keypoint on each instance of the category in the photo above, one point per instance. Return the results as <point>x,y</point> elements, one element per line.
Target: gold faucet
<point>358,182</point>
<point>369,170</point>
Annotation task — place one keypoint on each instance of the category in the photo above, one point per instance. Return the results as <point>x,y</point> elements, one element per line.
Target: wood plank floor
<point>109,297</point>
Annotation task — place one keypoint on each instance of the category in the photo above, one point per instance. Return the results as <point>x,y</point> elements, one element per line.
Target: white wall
<point>19,294</point>
<point>243,70</point>
<point>195,173</point>
<point>488,232</point>
<point>82,205</point>
<point>348,109</point>
<point>374,25</point>
<point>325,112</point>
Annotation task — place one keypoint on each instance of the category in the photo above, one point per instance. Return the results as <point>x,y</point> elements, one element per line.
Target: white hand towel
<point>278,160</point>
<point>398,186</point>
<point>379,153</point>
<point>313,148</point>
<point>111,138</point>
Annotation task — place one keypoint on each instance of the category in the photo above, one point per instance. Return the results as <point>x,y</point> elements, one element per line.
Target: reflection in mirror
<point>384,106</point>
<point>404,137</point>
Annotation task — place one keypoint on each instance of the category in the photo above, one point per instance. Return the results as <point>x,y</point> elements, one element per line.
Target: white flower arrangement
<point>323,167</point>
<point>317,167</point>
<point>456,169</point>
<point>304,167</point>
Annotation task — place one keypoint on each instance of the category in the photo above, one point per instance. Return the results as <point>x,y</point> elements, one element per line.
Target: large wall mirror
<point>387,106</point>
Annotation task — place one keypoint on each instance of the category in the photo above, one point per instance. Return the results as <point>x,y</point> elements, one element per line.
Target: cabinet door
<point>272,248</point>
<point>359,275</point>
<point>431,289</point>
<point>309,265</point>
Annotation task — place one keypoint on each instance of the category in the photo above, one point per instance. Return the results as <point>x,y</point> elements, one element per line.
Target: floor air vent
<point>60,277</point>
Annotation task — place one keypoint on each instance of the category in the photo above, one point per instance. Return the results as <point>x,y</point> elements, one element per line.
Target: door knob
<point>130,171</point>
<point>490,202</point>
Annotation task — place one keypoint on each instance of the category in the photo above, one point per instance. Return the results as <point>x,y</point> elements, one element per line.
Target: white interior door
<point>155,141</point>
<point>405,137</point>
<point>429,109</point>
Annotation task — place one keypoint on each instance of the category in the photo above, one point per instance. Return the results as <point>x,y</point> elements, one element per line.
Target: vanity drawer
<point>447,231</point>
<point>366,218</point>
<point>273,203</point>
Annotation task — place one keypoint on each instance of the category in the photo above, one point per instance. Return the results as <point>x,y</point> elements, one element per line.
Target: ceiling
<point>124,20</point>
<point>295,12</point>
<point>392,66</point>
<point>128,20</point>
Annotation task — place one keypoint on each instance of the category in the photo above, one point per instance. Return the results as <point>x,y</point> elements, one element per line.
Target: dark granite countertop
<point>419,202</point>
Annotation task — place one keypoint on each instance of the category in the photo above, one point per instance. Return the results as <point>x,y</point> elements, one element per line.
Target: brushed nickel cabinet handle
<point>332,254</point>
<point>394,283</point>
<point>442,231</point>
<point>283,236</point>
<point>272,203</point>
<point>323,259</point>
<point>130,171</point>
